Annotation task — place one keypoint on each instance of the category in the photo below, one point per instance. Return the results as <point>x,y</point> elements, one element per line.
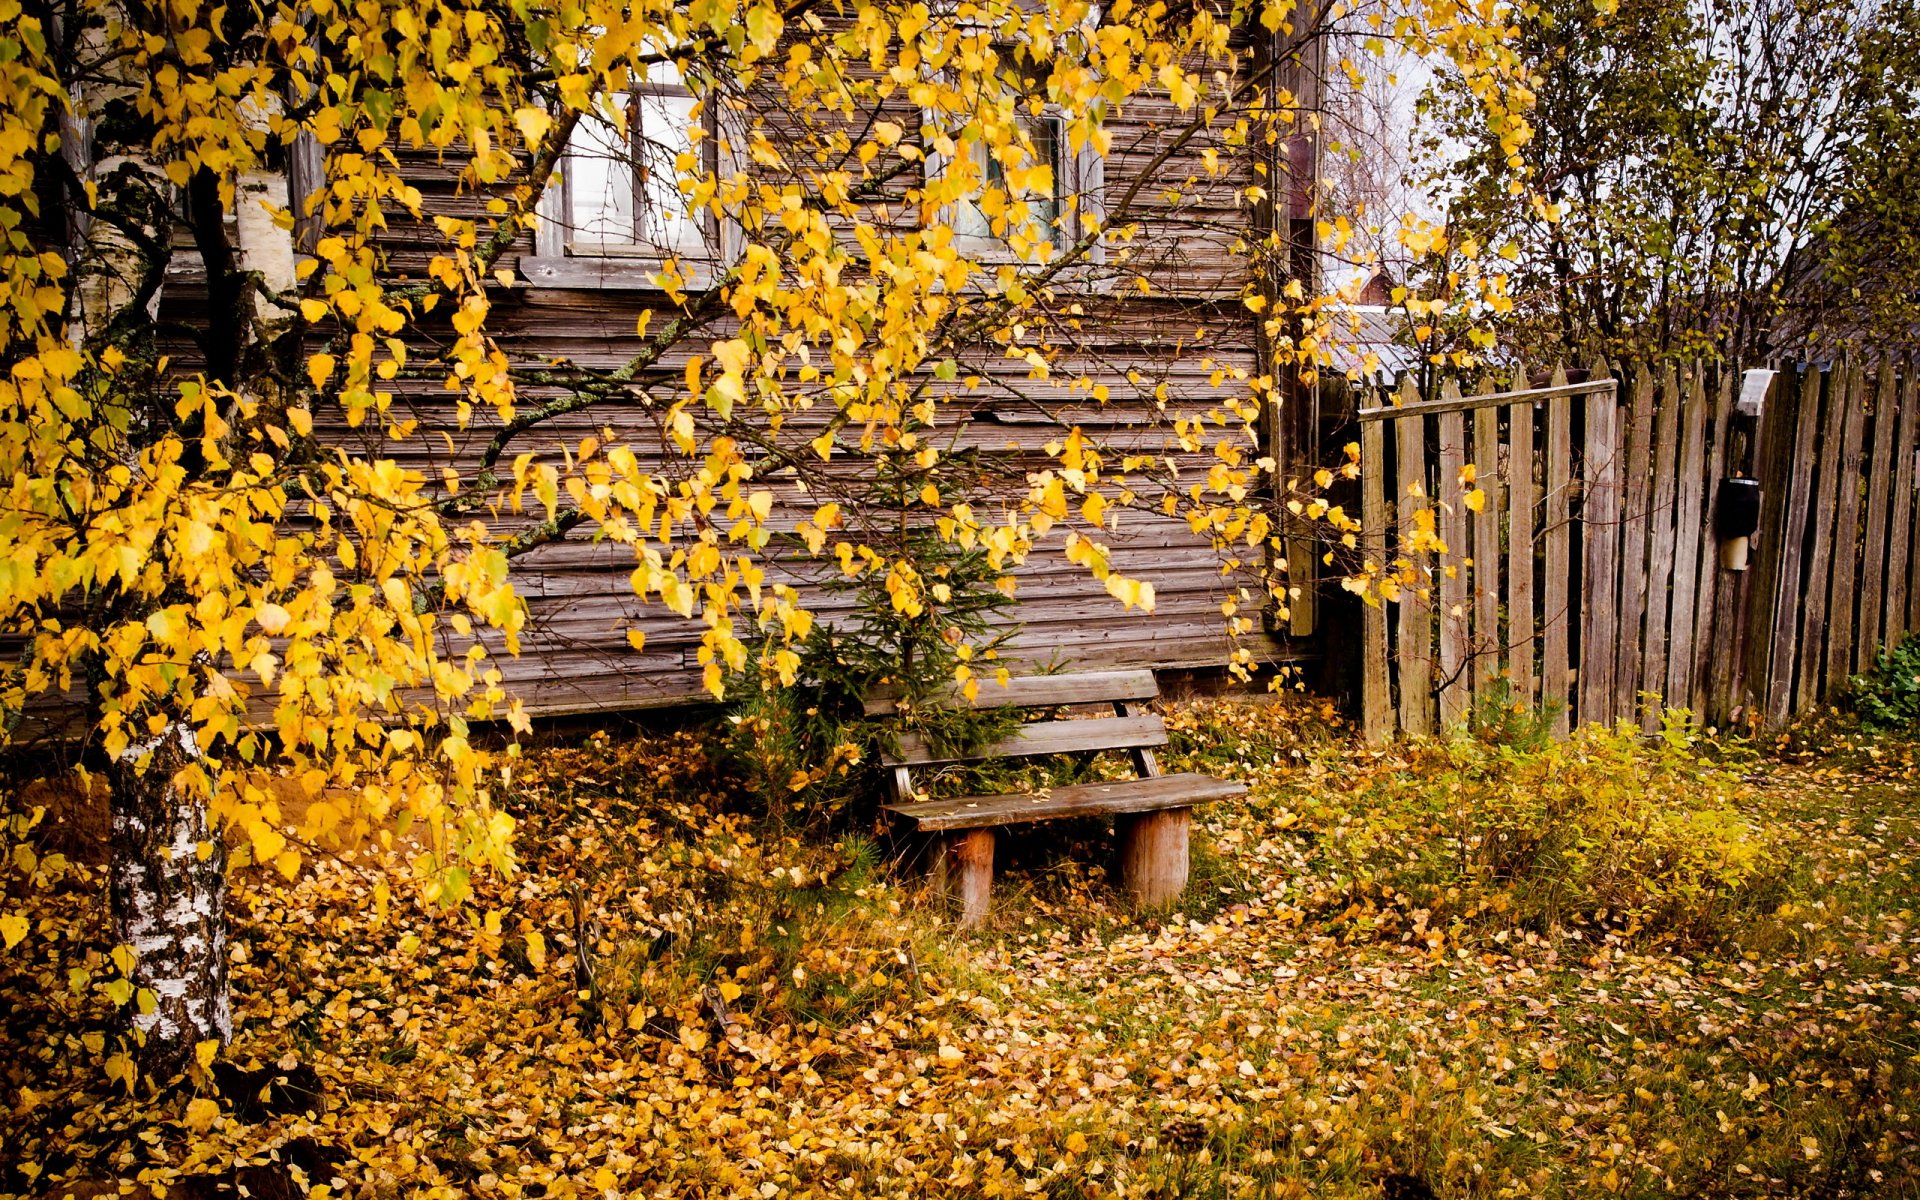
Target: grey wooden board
<point>1459,403</point>
<point>1843,588</point>
<point>1706,603</point>
<point>1810,680</point>
<point>1677,689</point>
<point>627,274</point>
<point>1488,642</point>
<point>1636,498</point>
<point>1036,691</point>
<point>1454,683</point>
<point>1600,542</point>
<point>1900,523</point>
<point>1723,657</point>
<point>1415,642</point>
<point>1522,620</point>
<point>1844,592</point>
<point>1873,546</point>
<point>1798,493</point>
<point>1043,737</point>
<point>1666,460</point>
<point>1079,800</point>
<point>1556,615</point>
<point>1376,682</point>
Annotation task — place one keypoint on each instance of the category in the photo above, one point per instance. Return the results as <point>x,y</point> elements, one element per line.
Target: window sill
<point>611,273</point>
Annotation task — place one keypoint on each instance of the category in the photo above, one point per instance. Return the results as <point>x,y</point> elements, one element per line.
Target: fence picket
<point>1416,619</point>
<point>1811,684</point>
<point>1554,649</point>
<point>1797,502</point>
<point>1453,579</point>
<point>1487,641</point>
<point>1873,547</point>
<point>1376,687</point>
<point>1843,582</point>
<point>1716,608</point>
<point>1678,688</point>
<point>1900,538</point>
<point>1521,620</point>
<point>1660,561</point>
<point>1634,526</point>
<point>1600,542</point>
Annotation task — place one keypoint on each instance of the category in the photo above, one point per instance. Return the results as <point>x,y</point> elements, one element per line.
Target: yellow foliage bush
<point>1609,827</point>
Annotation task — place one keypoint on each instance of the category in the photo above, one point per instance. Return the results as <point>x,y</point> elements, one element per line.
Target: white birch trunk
<point>169,900</point>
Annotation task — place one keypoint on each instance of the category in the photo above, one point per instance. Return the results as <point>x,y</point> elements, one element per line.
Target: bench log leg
<point>963,873</point>
<point>1153,855</point>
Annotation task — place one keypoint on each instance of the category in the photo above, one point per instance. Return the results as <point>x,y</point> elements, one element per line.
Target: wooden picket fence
<point>1589,580</point>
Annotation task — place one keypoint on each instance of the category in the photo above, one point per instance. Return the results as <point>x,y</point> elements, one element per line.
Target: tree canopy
<point>1713,176</point>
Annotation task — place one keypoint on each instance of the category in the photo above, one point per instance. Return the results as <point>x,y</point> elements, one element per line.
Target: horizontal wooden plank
<point>1079,800</point>
<point>629,274</point>
<point>1484,400</point>
<point>1044,737</point>
<point>1036,691</point>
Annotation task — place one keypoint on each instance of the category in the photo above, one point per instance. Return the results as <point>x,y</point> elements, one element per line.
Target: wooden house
<point>1156,316</point>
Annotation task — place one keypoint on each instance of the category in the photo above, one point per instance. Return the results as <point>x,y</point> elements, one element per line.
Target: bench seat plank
<point>1043,737</point>
<point>1079,800</point>
<point>1035,691</point>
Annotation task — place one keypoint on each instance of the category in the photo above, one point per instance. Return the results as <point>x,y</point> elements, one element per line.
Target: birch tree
<point>212,557</point>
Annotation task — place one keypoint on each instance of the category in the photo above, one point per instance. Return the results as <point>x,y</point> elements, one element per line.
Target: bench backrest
<point>1036,691</point>
<point>1123,690</point>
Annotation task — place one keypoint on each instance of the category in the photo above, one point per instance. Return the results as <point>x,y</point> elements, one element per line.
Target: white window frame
<point>1079,189</point>
<point>561,259</point>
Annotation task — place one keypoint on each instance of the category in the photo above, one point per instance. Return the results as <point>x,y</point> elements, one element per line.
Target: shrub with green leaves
<point>1888,696</point>
<point>1606,827</point>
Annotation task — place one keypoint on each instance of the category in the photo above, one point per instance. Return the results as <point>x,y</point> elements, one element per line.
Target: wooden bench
<point>1152,812</point>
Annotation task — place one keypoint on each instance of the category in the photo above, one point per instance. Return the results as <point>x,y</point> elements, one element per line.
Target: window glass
<point>1047,137</point>
<point>622,188</point>
<point>599,172</point>
<point>663,130</point>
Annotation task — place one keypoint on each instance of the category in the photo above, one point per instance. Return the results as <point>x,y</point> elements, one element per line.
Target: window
<point>1062,216</point>
<point>616,212</point>
<point>1048,135</point>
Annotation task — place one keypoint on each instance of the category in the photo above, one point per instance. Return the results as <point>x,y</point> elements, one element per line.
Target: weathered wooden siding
<point>1161,326</point>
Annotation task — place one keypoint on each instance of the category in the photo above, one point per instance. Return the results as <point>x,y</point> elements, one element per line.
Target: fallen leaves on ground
<point>673,999</point>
